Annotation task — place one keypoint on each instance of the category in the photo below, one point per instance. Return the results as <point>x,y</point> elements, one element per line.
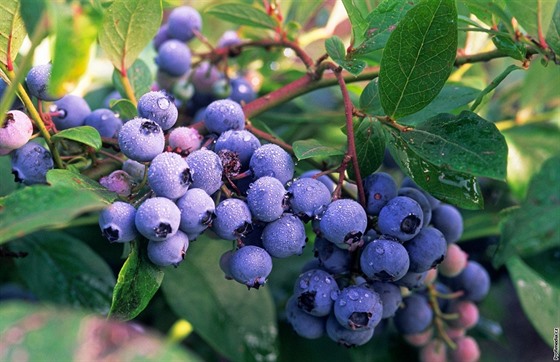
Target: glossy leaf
<point>514,49</point>
<point>58,334</point>
<point>238,323</point>
<point>242,14</point>
<point>83,134</point>
<point>61,269</point>
<point>12,31</point>
<point>137,283</point>
<point>124,108</point>
<point>80,182</point>
<point>533,227</point>
<point>32,12</point>
<point>313,148</point>
<point>538,298</point>
<point>336,50</point>
<point>128,26</point>
<point>139,76</point>
<point>359,24</point>
<point>465,143</point>
<point>418,57</point>
<point>369,99</point>
<point>553,33</point>
<point>76,32</point>
<point>485,10</point>
<point>370,146</point>
<point>453,187</point>
<point>42,207</point>
<point>532,13</point>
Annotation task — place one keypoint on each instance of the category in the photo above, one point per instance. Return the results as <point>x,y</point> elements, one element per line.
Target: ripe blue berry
<point>447,219</point>
<point>206,170</point>
<point>347,337</point>
<point>316,290</point>
<point>170,251</point>
<point>344,222</point>
<point>185,138</point>
<point>117,222</point>
<point>233,218</point>
<point>160,37</point>
<point>308,197</point>
<point>135,169</point>
<point>474,281</point>
<point>228,38</point>
<point>30,164</point>
<point>182,23</point>
<point>266,198</point>
<point>37,81</point>
<point>205,76</point>
<point>159,107</point>
<point>105,121</point>
<point>169,175</point>
<point>141,139</point>
<point>379,188</point>
<point>415,316</point>
<point>174,58</point>
<point>358,307</point>
<point>284,237</point>
<point>384,260</point>
<point>271,160</point>
<point>304,324</point>
<point>426,250</point>
<point>251,266</point>
<point>401,218</point>
<point>413,280</point>
<point>225,264</point>
<point>421,199</point>
<point>223,115</point>
<point>241,90</point>
<point>197,211</point>
<point>326,180</point>
<point>158,218</point>
<point>332,258</point>
<point>16,131</point>
<point>118,181</point>
<point>390,295</point>
<point>73,112</point>
<point>242,142</point>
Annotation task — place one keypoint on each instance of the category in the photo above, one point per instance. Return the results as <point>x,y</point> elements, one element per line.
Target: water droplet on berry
<point>163,103</point>
<point>342,302</point>
<point>353,295</point>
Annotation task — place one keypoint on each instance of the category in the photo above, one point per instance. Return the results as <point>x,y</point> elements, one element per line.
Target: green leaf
<point>452,187</point>
<point>506,44</point>
<point>313,148</point>
<point>529,13</point>
<point>124,108</point>
<point>140,78</point>
<point>538,89</point>
<point>533,227</point>
<point>83,134</point>
<point>32,12</point>
<point>137,283</point>
<point>542,141</point>
<point>238,323</point>
<point>61,269</point>
<point>452,96</point>
<point>380,24</point>
<point>12,31</point>
<point>359,24</point>
<point>418,57</point>
<point>58,334</point>
<point>538,298</point>
<point>369,99</point>
<point>485,10</point>
<point>128,26</point>
<point>76,32</point>
<point>553,33</point>
<point>370,146</point>
<point>40,207</point>
<point>335,49</point>
<point>465,143</point>
<point>242,14</point>
<point>80,182</point>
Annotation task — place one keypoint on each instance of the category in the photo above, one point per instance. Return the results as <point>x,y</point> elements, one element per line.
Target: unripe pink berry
<point>454,262</point>
<point>467,350</point>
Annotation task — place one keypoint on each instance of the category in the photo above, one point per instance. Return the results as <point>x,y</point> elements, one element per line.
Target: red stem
<point>268,137</point>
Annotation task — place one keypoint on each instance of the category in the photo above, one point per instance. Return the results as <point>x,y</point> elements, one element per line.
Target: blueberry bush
<point>279,180</point>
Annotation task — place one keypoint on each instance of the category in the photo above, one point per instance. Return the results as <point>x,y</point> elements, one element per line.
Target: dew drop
<point>163,103</point>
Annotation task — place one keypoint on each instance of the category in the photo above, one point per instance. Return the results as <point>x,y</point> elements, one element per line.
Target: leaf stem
<point>493,85</point>
<point>128,88</point>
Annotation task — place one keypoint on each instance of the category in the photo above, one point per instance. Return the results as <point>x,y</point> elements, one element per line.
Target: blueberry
<point>225,264</point>
<point>182,23</point>
<point>266,198</point>
<point>271,160</point>
<point>17,104</point>
<point>159,107</point>
<point>37,81</point>
<point>185,138</point>
<point>413,280</point>
<point>242,142</point>
<point>117,222</point>
<point>223,115</point>
<point>358,307</point>
<point>174,58</point>
<point>30,164</point>
<point>384,260</point>
<point>316,291</point>
<point>241,90</point>
<point>344,222</point>
<point>73,112</point>
<point>308,197</point>
<point>141,139</point>
<point>160,37</point>
<point>426,250</point>
<point>158,218</point>
<point>326,180</point>
<point>119,182</point>
<point>447,219</point>
<point>105,121</point>
<point>421,199</point>
<point>407,182</point>
<point>379,188</point>
<point>304,324</point>
<point>228,38</point>
<point>347,337</point>
<point>16,131</point>
<point>169,175</point>
<point>135,169</point>
<point>415,316</point>
<point>284,237</point>
<point>332,258</point>
<point>250,265</point>
<point>206,170</point>
<point>197,211</point>
<point>401,218</point>
<point>233,219</point>
<point>474,281</point>
<point>390,295</point>
<point>170,251</point>
<point>205,76</point>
